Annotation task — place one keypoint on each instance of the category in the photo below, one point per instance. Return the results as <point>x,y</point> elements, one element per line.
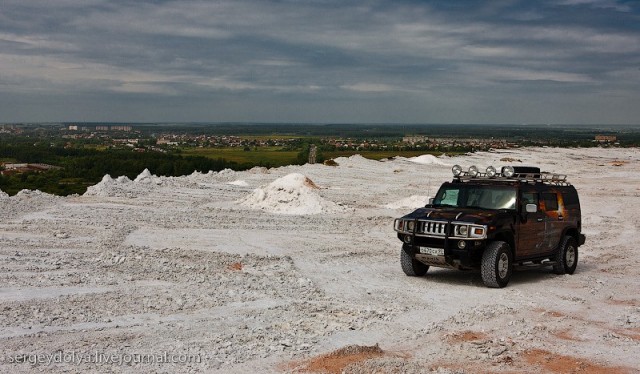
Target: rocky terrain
<point>296,269</point>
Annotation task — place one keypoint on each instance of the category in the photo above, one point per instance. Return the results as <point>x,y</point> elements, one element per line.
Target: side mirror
<point>531,208</point>
<point>431,201</point>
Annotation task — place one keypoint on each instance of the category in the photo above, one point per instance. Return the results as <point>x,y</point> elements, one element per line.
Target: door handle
<point>540,219</point>
<point>560,218</point>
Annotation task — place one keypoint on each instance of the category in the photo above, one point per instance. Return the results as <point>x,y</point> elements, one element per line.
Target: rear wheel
<point>411,266</point>
<point>566,259</point>
<point>497,264</point>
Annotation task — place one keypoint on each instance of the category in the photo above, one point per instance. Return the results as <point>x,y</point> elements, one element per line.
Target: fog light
<point>508,171</point>
<point>407,239</point>
<point>456,170</point>
<point>491,172</point>
<point>462,244</point>
<point>473,171</point>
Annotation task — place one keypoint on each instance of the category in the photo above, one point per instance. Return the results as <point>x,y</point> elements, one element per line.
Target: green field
<point>264,156</point>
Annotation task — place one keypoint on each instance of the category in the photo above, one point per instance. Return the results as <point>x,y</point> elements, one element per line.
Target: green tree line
<point>80,168</point>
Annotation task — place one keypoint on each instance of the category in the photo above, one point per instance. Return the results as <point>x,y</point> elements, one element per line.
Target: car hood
<point>475,216</point>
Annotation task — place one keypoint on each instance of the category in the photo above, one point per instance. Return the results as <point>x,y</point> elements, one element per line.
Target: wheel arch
<point>508,238</point>
<point>572,232</point>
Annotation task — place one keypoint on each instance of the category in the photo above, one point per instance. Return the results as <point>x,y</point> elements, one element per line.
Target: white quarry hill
<point>268,270</point>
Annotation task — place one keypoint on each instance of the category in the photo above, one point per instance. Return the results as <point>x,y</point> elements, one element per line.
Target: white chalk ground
<point>253,270</point>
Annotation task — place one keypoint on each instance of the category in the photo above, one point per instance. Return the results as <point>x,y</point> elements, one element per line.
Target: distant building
<point>414,139</point>
<point>121,128</point>
<point>606,138</point>
<point>165,141</point>
<point>73,127</point>
<point>10,168</point>
<point>102,128</point>
<point>313,153</point>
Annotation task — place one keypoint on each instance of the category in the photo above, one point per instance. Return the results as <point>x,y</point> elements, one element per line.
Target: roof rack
<point>539,177</point>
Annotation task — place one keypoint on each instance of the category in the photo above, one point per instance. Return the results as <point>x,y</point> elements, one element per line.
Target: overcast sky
<point>511,61</point>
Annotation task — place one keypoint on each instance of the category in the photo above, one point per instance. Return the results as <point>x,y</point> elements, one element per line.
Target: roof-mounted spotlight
<point>473,171</point>
<point>456,170</point>
<point>491,172</point>
<point>508,171</point>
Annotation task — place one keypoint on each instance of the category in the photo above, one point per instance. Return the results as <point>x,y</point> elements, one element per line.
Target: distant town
<point>144,138</point>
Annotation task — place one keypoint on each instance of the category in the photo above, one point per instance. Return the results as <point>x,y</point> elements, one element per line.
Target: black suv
<point>492,221</point>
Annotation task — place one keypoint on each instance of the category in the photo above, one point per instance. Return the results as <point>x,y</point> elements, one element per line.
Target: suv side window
<point>529,198</point>
<point>570,198</point>
<point>550,201</point>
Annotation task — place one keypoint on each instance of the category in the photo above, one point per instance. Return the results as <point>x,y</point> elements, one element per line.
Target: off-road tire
<point>497,264</point>
<point>566,259</point>
<point>411,266</point>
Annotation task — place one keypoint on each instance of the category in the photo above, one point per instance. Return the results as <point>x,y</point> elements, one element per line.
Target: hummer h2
<point>492,221</point>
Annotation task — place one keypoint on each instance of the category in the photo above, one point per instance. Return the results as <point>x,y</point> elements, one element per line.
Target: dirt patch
<point>554,363</point>
<point>465,336</point>
<point>338,360</point>
<point>510,159</point>
<point>236,266</point>
<point>551,313</point>
<point>629,333</point>
<point>309,183</point>
<point>618,163</point>
<point>566,335</point>
<point>330,162</point>
<point>623,302</point>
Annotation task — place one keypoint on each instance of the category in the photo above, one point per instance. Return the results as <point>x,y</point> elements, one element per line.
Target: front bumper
<point>456,258</point>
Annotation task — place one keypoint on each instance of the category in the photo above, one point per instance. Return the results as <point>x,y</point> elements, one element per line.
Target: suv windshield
<point>474,196</point>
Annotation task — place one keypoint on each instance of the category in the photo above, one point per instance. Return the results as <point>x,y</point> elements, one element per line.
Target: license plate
<point>432,251</point>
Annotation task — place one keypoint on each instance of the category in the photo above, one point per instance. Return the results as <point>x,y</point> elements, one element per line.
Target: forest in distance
<point>82,161</point>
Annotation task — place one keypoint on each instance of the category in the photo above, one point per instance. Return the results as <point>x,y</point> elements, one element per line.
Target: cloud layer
<point>554,61</point>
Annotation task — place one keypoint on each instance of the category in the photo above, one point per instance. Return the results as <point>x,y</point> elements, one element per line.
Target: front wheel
<point>566,259</point>
<point>497,264</point>
<point>411,266</point>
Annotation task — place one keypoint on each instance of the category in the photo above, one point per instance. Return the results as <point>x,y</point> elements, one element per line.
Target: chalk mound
<point>144,177</point>
<point>105,187</point>
<point>3,195</point>
<point>414,201</point>
<point>292,194</point>
<point>121,186</point>
<point>123,179</point>
<point>28,194</point>
<point>259,170</point>
<point>427,160</point>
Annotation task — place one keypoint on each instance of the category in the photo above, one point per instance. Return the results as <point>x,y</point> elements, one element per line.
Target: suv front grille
<point>432,228</point>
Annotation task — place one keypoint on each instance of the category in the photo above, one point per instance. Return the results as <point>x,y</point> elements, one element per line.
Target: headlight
<point>469,231</point>
<point>462,230</point>
<point>398,224</point>
<point>410,225</point>
<point>404,225</point>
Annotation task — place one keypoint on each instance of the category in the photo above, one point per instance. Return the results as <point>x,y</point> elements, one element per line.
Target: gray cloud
<point>561,61</point>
